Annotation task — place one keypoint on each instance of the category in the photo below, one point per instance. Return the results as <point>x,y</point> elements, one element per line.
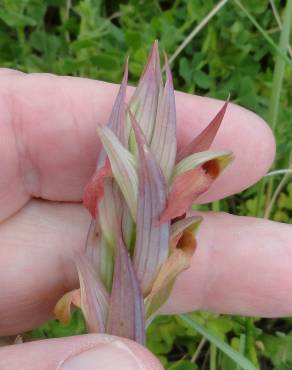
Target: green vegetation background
<point>230,54</point>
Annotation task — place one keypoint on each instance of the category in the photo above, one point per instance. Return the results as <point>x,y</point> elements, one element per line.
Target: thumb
<point>90,352</point>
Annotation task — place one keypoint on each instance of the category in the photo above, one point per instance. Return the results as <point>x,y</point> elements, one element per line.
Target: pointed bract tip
<point>126,71</point>
<point>167,70</point>
<point>204,140</point>
<point>222,111</point>
<point>153,63</point>
<point>155,46</point>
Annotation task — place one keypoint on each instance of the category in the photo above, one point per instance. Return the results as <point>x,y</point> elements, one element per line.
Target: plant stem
<point>260,197</point>
<point>250,349</point>
<point>277,192</point>
<point>213,356</point>
<point>280,67</point>
<point>197,29</point>
<point>229,351</point>
<point>279,172</point>
<point>278,50</point>
<point>198,350</point>
<point>279,22</point>
<point>242,344</point>
<point>277,83</point>
<point>216,206</point>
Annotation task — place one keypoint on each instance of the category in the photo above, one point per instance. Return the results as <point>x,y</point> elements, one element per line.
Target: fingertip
<point>114,355</point>
<point>241,266</point>
<point>90,352</point>
<point>9,72</point>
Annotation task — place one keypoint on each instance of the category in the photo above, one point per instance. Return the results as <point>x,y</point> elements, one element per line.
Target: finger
<point>36,250</point>
<point>242,265</point>
<point>90,352</point>
<point>50,147</point>
<point>9,72</point>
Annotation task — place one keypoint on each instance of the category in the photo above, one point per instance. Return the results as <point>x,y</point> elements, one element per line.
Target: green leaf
<point>14,19</point>
<point>182,365</point>
<point>105,61</point>
<point>185,70</point>
<point>202,79</point>
<point>278,348</point>
<point>46,43</point>
<point>133,39</point>
<point>277,49</point>
<point>55,329</point>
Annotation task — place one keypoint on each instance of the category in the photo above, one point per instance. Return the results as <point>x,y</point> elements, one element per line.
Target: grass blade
<point>279,22</point>
<point>277,83</point>
<point>236,356</point>
<point>276,48</point>
<point>280,67</point>
<point>242,340</point>
<point>197,29</point>
<point>278,190</point>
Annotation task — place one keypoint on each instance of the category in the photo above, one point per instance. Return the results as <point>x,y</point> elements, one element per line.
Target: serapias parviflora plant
<point>140,238</point>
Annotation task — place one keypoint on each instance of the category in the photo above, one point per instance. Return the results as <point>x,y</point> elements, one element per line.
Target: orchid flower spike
<point>140,238</point>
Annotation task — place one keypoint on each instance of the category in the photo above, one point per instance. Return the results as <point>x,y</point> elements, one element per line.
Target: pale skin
<point>48,148</point>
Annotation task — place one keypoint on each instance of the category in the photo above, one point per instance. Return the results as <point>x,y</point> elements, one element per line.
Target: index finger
<point>49,144</point>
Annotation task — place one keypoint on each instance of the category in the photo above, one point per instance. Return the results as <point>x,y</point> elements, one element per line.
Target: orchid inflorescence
<point>140,237</point>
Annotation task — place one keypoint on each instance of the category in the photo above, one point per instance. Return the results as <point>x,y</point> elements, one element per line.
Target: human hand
<point>48,151</point>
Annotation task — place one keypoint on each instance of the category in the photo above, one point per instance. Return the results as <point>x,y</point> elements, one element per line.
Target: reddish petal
<point>185,189</point>
<point>94,190</point>
<point>204,140</point>
<point>192,176</point>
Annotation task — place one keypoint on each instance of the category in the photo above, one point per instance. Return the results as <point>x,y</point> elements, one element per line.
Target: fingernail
<point>111,356</point>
